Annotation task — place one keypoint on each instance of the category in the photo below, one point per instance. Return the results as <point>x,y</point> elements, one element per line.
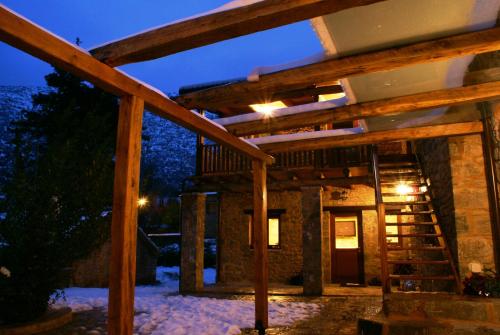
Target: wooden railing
<point>215,159</point>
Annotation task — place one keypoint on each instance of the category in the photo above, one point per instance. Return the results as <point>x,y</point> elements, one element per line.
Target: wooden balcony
<point>213,159</point>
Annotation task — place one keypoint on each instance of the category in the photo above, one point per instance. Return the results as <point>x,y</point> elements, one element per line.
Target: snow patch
<point>160,312</point>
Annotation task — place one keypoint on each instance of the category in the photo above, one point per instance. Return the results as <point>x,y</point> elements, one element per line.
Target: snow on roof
<point>228,6</point>
<point>305,135</point>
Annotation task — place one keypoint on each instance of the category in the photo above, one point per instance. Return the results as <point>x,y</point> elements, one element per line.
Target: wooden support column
<point>193,209</point>
<point>312,239</point>
<point>124,217</point>
<point>384,272</point>
<point>491,182</point>
<point>260,243</point>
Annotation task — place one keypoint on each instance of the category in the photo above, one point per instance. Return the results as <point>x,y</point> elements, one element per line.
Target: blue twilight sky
<point>98,21</point>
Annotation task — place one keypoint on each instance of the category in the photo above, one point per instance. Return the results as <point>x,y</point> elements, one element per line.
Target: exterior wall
<point>434,155</point>
<point>456,169</point>
<point>93,271</point>
<point>474,239</point>
<point>361,195</point>
<point>236,256</point>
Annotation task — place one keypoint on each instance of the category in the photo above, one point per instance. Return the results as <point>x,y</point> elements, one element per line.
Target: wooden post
<point>200,143</point>
<point>491,182</point>
<point>260,243</point>
<point>124,218</point>
<point>384,272</point>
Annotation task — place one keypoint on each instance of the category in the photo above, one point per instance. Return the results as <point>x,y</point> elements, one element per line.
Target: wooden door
<point>347,248</point>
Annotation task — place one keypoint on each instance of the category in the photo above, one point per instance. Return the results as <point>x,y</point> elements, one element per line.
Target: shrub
<point>58,193</point>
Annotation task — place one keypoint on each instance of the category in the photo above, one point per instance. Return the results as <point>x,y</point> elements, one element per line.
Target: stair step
<point>396,183</point>
<point>409,224</point>
<point>395,194</point>
<point>398,212</point>
<point>391,164</point>
<point>416,248</point>
<point>418,261</point>
<point>414,235</point>
<point>397,158</point>
<point>397,173</point>
<point>404,203</point>
<point>421,277</point>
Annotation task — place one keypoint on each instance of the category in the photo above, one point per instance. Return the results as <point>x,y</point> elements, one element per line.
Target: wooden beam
<point>408,103</point>
<point>124,217</point>
<point>260,244</point>
<point>217,26</point>
<point>334,69</point>
<point>382,239</point>
<point>25,35</point>
<point>404,134</point>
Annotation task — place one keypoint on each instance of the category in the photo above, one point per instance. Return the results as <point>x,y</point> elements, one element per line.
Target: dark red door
<point>346,248</point>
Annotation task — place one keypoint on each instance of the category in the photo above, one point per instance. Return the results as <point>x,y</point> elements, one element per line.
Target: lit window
<point>273,229</point>
<point>393,231</point>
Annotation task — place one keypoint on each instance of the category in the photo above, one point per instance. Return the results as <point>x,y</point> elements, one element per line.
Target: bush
<point>58,194</point>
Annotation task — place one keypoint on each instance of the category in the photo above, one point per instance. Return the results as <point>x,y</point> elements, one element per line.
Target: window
<point>393,231</point>
<point>273,228</point>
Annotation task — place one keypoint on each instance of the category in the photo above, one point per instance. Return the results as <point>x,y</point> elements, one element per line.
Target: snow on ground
<point>159,310</point>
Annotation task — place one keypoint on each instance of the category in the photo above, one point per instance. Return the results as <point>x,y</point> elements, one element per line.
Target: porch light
<point>403,189</point>
<point>142,202</point>
<point>268,108</point>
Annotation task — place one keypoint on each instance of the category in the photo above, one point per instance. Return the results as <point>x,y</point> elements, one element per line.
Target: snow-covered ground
<point>159,310</point>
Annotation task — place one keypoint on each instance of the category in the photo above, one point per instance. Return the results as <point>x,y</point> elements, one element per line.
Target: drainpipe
<point>491,180</point>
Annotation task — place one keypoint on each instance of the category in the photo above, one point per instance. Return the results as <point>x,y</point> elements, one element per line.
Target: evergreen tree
<point>58,199</point>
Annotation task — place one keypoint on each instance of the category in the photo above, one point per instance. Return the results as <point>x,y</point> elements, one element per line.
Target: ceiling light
<point>268,108</point>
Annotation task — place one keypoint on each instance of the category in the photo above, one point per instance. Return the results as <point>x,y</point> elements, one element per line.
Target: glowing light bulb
<point>403,189</point>
<point>142,202</point>
<point>268,108</point>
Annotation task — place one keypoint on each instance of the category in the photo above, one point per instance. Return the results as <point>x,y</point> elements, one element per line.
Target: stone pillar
<point>312,238</point>
<point>192,241</point>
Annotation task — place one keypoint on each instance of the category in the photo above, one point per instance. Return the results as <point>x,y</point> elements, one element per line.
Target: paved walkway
<point>338,315</point>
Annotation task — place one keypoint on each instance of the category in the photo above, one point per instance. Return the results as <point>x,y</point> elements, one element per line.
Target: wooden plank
<point>334,69</point>
<point>382,238</point>
<point>216,26</point>
<point>124,217</point>
<point>25,35</point>
<point>260,243</point>
<point>408,103</point>
<point>376,137</point>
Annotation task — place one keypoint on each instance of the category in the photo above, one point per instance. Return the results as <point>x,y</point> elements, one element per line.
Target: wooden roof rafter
<point>27,36</point>
<point>389,106</point>
<point>403,134</point>
<point>217,26</point>
<point>441,49</point>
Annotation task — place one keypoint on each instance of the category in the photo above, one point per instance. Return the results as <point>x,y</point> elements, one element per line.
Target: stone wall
<point>236,256</point>
<point>472,218</point>
<point>455,167</point>
<point>93,271</point>
<point>434,155</point>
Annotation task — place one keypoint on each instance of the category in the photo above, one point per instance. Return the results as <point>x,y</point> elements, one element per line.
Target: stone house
<point>324,206</point>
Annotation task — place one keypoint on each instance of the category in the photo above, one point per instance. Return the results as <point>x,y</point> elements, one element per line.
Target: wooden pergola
<point>97,65</point>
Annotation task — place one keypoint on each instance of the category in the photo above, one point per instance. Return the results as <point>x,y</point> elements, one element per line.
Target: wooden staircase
<point>413,246</point>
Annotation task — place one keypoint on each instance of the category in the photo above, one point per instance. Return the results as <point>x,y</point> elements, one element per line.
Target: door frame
<point>334,212</point>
